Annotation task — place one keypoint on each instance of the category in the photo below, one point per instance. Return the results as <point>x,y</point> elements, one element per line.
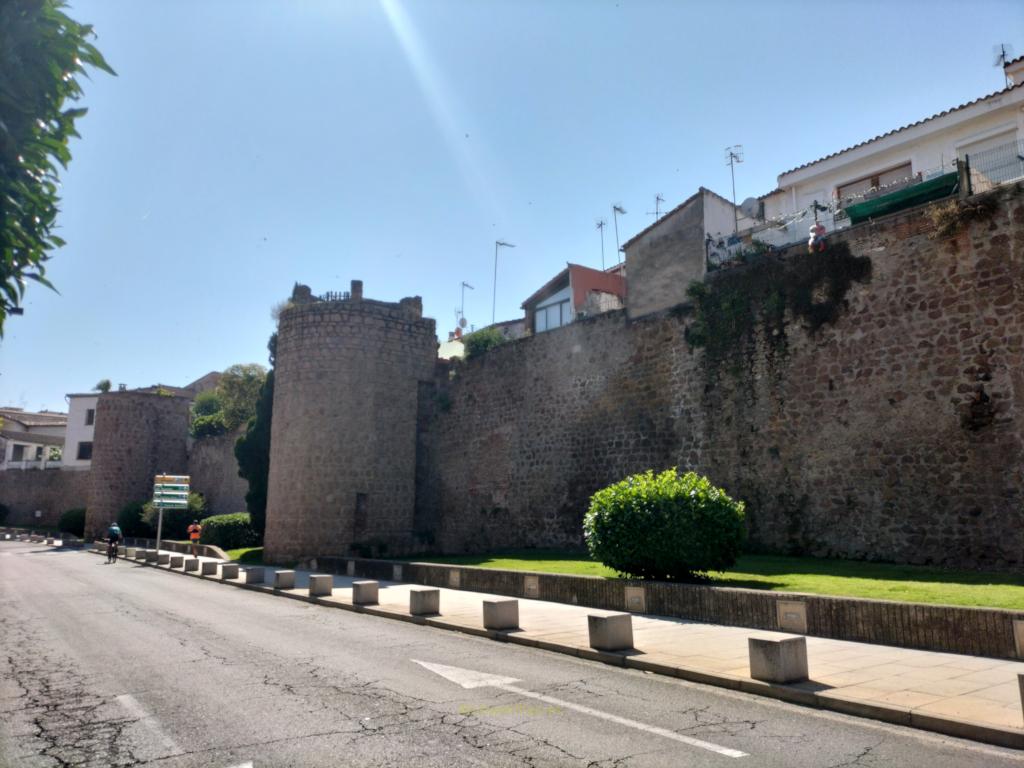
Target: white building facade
<point>80,427</point>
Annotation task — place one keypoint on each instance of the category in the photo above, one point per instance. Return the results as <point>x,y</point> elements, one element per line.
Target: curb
<point>964,729</point>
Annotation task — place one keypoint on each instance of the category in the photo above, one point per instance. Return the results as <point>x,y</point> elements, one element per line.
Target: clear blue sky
<point>250,144</point>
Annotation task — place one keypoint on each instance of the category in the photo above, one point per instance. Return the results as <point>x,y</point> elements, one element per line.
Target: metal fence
<point>992,167</point>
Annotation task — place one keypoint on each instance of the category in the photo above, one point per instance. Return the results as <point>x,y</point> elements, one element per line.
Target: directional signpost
<point>169,492</point>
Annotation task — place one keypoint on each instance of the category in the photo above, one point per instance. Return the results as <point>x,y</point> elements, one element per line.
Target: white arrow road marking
<point>130,703</point>
<point>468,678</point>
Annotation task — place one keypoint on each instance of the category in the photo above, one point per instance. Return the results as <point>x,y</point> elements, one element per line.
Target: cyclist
<point>113,540</point>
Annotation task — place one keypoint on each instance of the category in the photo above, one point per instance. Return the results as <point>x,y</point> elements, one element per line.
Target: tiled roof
<point>32,437</point>
<point>30,419</point>
<point>905,127</point>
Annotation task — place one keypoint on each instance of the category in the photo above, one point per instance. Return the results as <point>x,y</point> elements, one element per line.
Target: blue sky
<point>249,144</point>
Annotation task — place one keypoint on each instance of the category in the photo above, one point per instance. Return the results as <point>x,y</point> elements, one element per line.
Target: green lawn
<point>851,578</point>
<point>246,555</point>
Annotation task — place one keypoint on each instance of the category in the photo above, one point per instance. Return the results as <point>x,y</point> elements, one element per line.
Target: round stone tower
<point>343,438</point>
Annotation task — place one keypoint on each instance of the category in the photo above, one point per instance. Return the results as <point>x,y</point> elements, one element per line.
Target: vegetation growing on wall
<point>480,341</point>
<point>810,288</point>
<point>951,217</point>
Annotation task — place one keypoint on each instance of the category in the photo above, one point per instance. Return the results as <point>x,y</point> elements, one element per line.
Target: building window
<point>90,417</point>
<point>553,316</point>
<point>19,453</point>
<point>883,179</point>
<point>85,451</point>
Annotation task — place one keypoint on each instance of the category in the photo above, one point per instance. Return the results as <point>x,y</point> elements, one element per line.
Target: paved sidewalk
<point>971,696</point>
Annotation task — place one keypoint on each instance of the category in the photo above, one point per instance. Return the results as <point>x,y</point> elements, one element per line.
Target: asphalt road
<point>124,665</point>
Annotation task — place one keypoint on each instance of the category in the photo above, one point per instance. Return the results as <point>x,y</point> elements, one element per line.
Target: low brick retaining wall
<point>975,631</point>
<point>205,550</point>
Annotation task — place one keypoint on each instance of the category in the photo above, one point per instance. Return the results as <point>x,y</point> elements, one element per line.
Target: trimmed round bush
<point>72,521</point>
<point>232,531</point>
<point>666,526</point>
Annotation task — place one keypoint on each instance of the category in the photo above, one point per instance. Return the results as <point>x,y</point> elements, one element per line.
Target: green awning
<point>918,194</point>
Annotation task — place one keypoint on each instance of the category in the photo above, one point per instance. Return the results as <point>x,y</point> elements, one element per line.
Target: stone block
<point>1020,686</point>
<point>151,555</point>
<point>424,601</point>
<point>501,614</point>
<point>778,660</point>
<point>1018,637</point>
<point>130,552</point>
<point>254,575</point>
<point>177,561</point>
<point>531,586</point>
<point>229,571</point>
<point>191,564</point>
<point>49,542</point>
<point>365,592</point>
<point>636,600</point>
<point>321,584</point>
<point>792,616</point>
<point>284,580</point>
<point>99,546</point>
<point>140,553</point>
<point>454,578</point>
<point>163,558</point>
<point>208,567</point>
<point>611,633</point>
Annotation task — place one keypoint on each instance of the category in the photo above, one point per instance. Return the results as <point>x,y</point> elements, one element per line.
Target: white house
<point>29,439</point>
<point>919,151</point>
<point>81,423</point>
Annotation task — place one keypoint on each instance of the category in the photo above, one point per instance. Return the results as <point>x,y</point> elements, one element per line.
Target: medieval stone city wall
<point>137,436</point>
<point>214,473</point>
<point>343,438</point>
<point>878,416</point>
<point>50,491</point>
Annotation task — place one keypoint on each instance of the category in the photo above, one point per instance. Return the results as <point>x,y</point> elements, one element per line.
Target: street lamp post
<point>494,299</point>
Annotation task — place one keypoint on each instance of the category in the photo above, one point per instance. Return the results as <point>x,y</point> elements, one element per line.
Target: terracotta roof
<point>1013,61</point>
<point>32,437</point>
<point>547,288</point>
<point>905,127</point>
<point>30,419</point>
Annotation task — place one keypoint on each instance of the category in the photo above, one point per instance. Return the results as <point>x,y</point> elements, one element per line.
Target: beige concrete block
<point>454,578</point>
<point>163,558</point>
<point>531,586</point>
<point>610,633</point>
<point>1018,637</point>
<point>254,575</point>
<point>792,616</point>
<point>49,542</point>
<point>208,567</point>
<point>396,573</point>
<point>191,564</point>
<point>151,555</point>
<point>140,554</point>
<point>350,568</point>
<point>229,571</point>
<point>177,561</point>
<point>284,580</point>
<point>501,614</point>
<point>365,592</point>
<point>130,552</point>
<point>778,661</point>
<point>1020,686</point>
<point>321,585</point>
<point>636,600</point>
<point>424,601</point>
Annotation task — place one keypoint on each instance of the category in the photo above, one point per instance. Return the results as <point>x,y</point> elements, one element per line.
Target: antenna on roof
<point>658,200</point>
<point>601,224</point>
<point>734,156</point>
<point>616,210</point>
<point>1003,55</point>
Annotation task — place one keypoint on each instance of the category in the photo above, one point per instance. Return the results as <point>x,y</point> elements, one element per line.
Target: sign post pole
<point>169,492</point>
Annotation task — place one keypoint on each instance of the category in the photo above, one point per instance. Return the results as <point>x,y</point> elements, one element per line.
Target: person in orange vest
<point>194,532</point>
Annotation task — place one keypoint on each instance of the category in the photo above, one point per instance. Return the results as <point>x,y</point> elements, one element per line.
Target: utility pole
<point>601,224</point>
<point>616,210</point>
<point>494,299</point>
<point>734,156</point>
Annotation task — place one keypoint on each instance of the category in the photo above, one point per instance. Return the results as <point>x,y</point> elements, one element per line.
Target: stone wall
<point>879,418</point>
<point>343,438</point>
<point>51,491</point>
<point>214,471</point>
<point>137,436</point>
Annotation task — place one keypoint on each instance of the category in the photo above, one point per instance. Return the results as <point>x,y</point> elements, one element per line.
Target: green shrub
<point>131,522</point>
<point>206,404</point>
<point>232,531</point>
<point>480,341</point>
<point>208,426</point>
<point>176,521</point>
<point>72,521</point>
<point>666,526</point>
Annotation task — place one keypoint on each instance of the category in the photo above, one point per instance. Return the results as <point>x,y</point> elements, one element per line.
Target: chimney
<point>357,290</point>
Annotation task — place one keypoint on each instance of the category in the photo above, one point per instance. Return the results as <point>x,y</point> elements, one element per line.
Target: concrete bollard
<point>208,567</point>
<point>1020,685</point>
<point>424,601</point>
<point>229,571</point>
<point>99,546</point>
<point>191,564</point>
<point>163,558</point>
<point>501,614</point>
<point>321,584</point>
<point>284,580</point>
<point>254,575</point>
<point>129,552</point>
<point>778,661</point>
<point>365,592</point>
<point>49,542</point>
<point>611,633</point>
<point>177,561</point>
<point>151,555</point>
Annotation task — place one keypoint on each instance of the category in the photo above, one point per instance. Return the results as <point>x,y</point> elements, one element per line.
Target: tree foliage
<point>206,403</point>
<point>43,54</point>
<point>176,521</point>
<point>480,341</point>
<point>253,454</point>
<point>239,389</point>
<point>103,385</point>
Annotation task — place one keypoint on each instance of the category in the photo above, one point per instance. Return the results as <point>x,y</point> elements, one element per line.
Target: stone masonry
<point>343,439</point>
<point>137,436</point>
<point>51,492</point>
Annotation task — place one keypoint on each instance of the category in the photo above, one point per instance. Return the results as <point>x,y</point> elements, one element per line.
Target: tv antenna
<point>601,224</point>
<point>1003,55</point>
<point>616,210</point>
<point>460,314</point>
<point>656,213</point>
<point>494,299</point>
<point>733,157</point>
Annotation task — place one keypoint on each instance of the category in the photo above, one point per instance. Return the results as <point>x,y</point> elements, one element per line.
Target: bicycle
<point>112,548</point>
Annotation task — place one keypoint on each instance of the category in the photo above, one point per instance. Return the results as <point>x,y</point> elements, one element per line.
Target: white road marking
<point>242,765</point>
<point>132,704</point>
<point>469,678</point>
